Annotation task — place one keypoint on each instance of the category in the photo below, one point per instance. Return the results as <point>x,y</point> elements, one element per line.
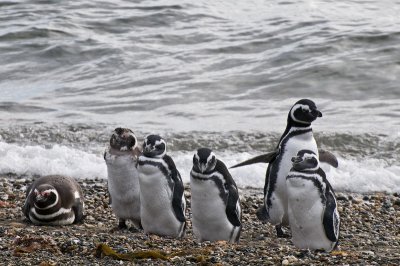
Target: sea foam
<point>353,174</point>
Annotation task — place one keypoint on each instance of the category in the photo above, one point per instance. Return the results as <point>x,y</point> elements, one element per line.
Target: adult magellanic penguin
<point>162,198</point>
<point>123,178</point>
<point>312,209</point>
<point>216,211</point>
<point>54,200</point>
<point>298,135</point>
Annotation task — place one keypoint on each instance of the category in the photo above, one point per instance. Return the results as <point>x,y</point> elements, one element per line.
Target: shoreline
<point>369,234</point>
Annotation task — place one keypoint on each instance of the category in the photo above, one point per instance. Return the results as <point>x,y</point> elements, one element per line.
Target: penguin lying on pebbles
<point>54,200</point>
<point>123,177</point>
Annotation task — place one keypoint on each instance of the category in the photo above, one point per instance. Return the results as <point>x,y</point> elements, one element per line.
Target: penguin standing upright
<point>162,197</point>
<point>123,177</point>
<point>215,201</point>
<point>54,200</point>
<point>312,209</point>
<point>298,135</point>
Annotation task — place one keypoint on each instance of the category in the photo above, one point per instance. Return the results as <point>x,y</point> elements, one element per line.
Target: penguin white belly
<point>123,186</point>
<point>156,210</point>
<point>306,211</point>
<point>209,219</point>
<point>278,209</point>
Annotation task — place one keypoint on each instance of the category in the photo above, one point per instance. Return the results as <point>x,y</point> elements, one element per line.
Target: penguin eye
<point>211,162</point>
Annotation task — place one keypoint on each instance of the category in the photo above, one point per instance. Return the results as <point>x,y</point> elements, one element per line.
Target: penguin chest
<point>153,178</point>
<point>156,209</point>
<point>123,178</point>
<point>208,207</point>
<point>304,196</point>
<point>305,211</point>
<point>283,165</point>
<point>290,148</point>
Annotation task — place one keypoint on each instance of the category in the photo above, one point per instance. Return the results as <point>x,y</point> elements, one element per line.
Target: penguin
<point>162,198</point>
<point>54,200</point>
<point>216,211</point>
<point>312,209</point>
<point>123,178</point>
<point>298,135</point>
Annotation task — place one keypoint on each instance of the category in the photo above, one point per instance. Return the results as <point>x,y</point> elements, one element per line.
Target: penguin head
<point>123,139</point>
<point>305,160</point>
<point>204,161</point>
<point>303,112</point>
<point>45,195</point>
<point>154,146</point>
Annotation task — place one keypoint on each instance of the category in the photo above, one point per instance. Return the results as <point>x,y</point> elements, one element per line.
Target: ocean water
<point>218,74</point>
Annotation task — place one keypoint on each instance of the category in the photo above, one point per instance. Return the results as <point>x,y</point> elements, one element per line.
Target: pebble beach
<point>369,235</point>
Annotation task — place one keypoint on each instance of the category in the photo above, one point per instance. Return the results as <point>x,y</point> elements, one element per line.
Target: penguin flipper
<point>109,198</point>
<point>331,220</point>
<point>232,210</point>
<point>27,207</point>
<point>178,189</point>
<point>78,210</point>
<point>328,157</point>
<point>177,201</point>
<point>264,158</point>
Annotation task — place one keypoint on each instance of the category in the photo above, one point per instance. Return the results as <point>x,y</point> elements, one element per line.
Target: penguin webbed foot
<point>122,224</point>
<point>133,229</point>
<point>280,233</point>
<point>136,228</point>
<point>305,253</point>
<point>80,220</point>
<point>262,213</point>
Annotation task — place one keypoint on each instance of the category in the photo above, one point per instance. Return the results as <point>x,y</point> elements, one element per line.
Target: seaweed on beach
<point>199,254</point>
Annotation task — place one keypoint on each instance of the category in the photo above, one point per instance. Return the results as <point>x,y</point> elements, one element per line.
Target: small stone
<point>342,197</point>
<point>368,252</point>
<point>20,181</point>
<point>285,262</point>
<point>356,201</point>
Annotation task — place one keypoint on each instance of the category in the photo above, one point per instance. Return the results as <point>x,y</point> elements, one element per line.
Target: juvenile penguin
<point>298,135</point>
<point>216,211</point>
<point>313,215</point>
<point>162,200</point>
<point>123,177</point>
<point>54,200</point>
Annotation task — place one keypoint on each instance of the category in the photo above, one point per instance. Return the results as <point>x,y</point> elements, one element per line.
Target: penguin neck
<point>291,124</point>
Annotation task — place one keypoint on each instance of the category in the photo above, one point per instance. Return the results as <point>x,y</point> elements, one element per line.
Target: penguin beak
<point>296,159</point>
<point>40,198</point>
<point>203,168</point>
<point>316,113</point>
<point>147,149</point>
